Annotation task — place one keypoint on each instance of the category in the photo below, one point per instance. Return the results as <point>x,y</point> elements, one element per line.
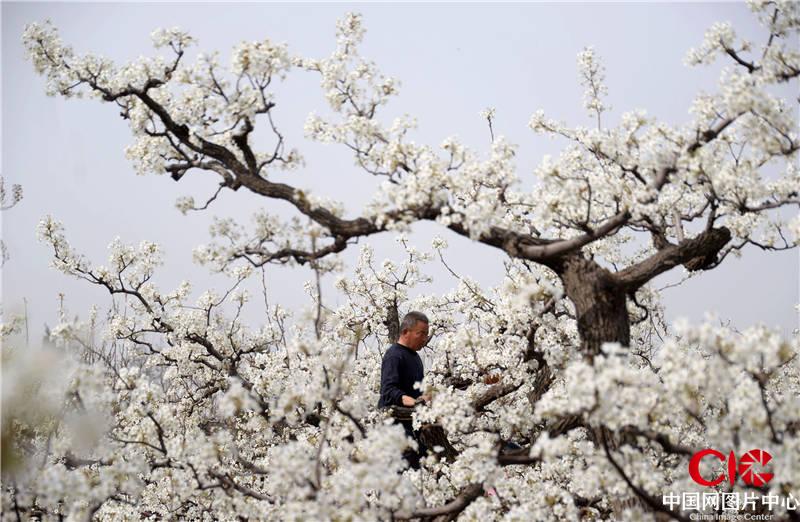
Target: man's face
<point>417,336</point>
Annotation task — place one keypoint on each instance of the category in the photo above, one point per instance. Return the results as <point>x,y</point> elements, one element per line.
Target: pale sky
<point>453,60</point>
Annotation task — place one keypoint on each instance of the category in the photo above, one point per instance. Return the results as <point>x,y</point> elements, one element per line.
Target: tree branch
<point>455,506</point>
<point>492,394</point>
<point>697,253</point>
<point>641,493</point>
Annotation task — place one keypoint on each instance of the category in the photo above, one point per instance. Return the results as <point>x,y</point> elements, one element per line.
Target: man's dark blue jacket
<point>401,368</point>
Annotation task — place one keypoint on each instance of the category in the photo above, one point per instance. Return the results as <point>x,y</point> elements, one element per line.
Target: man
<point>400,369</point>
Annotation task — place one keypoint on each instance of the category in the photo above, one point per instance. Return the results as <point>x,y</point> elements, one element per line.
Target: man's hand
<point>411,401</point>
<point>423,399</point>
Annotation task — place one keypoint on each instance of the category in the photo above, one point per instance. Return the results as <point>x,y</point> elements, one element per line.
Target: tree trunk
<point>602,315</point>
<point>392,321</point>
<point>600,304</point>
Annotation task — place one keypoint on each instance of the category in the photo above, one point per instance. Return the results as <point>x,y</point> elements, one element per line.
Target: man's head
<point>414,330</point>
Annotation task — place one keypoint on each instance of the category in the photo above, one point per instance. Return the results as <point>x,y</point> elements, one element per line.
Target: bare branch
<point>648,499</point>
<point>697,253</point>
<point>455,506</point>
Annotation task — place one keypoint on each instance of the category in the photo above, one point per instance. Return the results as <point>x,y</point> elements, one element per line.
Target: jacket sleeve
<point>390,382</point>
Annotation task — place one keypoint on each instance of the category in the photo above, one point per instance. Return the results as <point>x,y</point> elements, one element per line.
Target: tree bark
<point>392,321</point>
<point>600,304</point>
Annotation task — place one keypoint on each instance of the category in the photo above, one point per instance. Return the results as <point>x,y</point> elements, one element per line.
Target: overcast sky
<point>453,60</point>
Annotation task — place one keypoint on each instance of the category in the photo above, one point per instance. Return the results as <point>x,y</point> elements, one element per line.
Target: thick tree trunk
<point>600,304</point>
<point>602,314</point>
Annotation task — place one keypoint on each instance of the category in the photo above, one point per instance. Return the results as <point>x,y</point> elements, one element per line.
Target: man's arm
<point>390,384</point>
